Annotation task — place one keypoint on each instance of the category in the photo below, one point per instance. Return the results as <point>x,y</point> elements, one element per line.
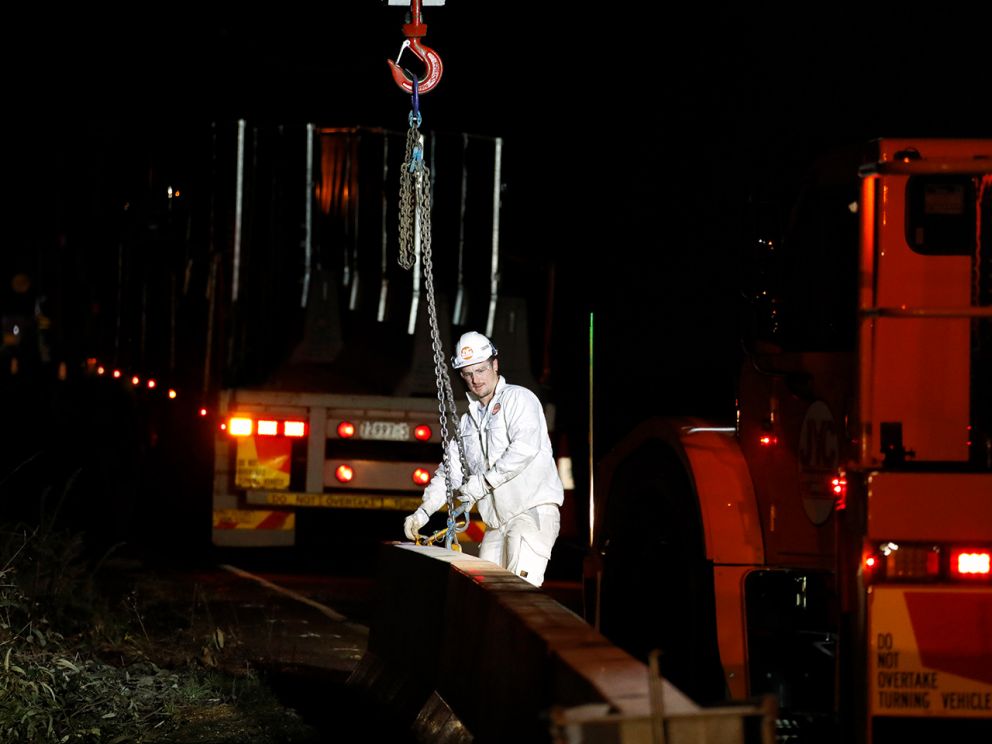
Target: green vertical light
<point>592,496</point>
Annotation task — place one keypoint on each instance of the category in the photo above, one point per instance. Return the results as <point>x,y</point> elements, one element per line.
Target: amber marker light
<point>172,394</point>
<point>294,428</point>
<point>135,380</point>
<point>240,426</point>
<point>346,430</point>
<point>101,369</point>
<point>344,473</point>
<point>422,433</point>
<point>421,477</point>
<point>268,428</point>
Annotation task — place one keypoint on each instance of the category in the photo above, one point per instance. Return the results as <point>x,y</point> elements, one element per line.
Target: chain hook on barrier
<point>449,534</point>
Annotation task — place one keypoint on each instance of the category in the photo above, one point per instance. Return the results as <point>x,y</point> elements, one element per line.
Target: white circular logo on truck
<point>818,458</point>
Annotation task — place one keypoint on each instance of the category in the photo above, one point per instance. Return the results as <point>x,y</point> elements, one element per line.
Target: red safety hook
<point>414,32</point>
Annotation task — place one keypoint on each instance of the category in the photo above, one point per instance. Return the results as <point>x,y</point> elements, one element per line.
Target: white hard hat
<point>472,348</point>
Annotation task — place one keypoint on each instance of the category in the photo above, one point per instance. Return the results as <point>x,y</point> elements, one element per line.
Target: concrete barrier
<point>461,650</point>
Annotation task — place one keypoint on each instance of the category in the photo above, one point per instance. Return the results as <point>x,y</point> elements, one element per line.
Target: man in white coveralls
<point>513,482</point>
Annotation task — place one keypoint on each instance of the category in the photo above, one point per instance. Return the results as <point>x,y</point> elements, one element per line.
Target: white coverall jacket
<point>507,442</point>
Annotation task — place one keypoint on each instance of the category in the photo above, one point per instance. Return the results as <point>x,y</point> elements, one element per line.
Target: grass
<point>78,666</point>
<point>83,657</point>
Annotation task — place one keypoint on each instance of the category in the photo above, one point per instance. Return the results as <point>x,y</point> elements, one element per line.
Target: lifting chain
<point>415,197</point>
<point>415,240</point>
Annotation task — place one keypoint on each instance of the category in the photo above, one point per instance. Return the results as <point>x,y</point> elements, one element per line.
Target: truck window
<point>819,284</point>
<point>801,279</point>
<point>940,215</point>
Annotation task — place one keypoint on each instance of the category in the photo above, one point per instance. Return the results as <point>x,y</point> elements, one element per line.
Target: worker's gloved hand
<point>413,523</point>
<point>472,489</point>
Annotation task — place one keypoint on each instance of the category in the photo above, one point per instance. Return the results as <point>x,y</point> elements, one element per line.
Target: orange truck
<point>831,544</point>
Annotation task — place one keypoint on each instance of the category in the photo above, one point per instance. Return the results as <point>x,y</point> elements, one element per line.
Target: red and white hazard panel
<point>254,519</point>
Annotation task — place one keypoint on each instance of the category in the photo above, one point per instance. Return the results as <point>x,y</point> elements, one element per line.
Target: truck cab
<point>830,545</point>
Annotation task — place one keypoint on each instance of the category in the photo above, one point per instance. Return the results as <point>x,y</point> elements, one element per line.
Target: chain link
<point>412,177</point>
<point>415,226</point>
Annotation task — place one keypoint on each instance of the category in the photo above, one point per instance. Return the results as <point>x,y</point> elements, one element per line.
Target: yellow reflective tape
<point>253,519</point>
<point>335,500</point>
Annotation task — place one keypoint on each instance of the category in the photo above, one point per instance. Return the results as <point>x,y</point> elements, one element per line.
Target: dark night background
<point>634,137</point>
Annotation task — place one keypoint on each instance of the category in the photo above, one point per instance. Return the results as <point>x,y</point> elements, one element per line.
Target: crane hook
<point>414,32</point>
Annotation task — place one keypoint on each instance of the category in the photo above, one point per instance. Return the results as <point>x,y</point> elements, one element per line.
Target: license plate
<point>393,431</point>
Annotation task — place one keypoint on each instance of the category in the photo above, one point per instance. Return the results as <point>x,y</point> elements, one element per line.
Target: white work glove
<point>413,523</point>
<point>473,488</point>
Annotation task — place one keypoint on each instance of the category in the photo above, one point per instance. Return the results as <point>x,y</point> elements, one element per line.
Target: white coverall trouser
<point>523,544</point>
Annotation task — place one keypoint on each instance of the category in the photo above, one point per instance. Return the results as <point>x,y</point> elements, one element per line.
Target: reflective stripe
<point>565,473</point>
<point>245,519</point>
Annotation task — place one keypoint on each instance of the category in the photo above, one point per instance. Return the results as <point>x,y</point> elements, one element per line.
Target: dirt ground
<point>283,662</point>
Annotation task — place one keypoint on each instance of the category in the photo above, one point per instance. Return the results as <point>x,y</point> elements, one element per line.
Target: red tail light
<point>767,440</point>
<point>838,487</point>
<point>871,568</point>
<point>971,563</point>
<point>346,430</point>
<point>421,476</point>
<point>926,562</point>
<point>910,562</point>
<point>422,433</point>
<point>344,473</point>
